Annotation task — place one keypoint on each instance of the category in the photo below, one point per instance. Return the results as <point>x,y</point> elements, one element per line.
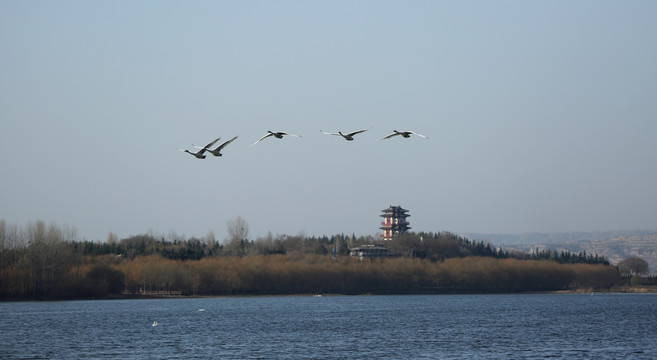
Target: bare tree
<point>50,254</point>
<point>112,239</point>
<point>12,236</point>
<point>238,229</point>
<point>633,265</point>
<point>209,238</point>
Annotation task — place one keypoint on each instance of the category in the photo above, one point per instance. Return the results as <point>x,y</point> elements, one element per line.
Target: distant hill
<point>613,245</point>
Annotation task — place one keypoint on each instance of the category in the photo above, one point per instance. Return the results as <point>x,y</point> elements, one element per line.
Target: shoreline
<point>625,289</point>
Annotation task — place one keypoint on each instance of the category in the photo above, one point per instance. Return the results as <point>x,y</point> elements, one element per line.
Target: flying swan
<point>217,150</point>
<point>276,134</point>
<point>349,136</point>
<point>405,134</point>
<point>199,154</point>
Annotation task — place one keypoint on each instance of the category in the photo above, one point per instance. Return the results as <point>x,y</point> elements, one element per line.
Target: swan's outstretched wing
<point>390,135</point>
<point>212,143</point>
<point>224,144</point>
<point>413,132</point>
<point>268,135</point>
<point>208,145</point>
<point>328,133</point>
<point>357,132</point>
<point>286,133</point>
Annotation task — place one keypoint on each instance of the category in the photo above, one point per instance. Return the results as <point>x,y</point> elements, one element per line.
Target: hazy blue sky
<point>542,115</point>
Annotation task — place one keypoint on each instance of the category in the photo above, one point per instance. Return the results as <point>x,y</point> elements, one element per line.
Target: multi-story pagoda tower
<point>394,222</point>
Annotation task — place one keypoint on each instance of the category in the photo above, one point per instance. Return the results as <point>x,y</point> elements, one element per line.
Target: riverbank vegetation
<point>44,261</point>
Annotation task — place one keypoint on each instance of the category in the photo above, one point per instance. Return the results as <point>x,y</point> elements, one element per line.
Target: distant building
<point>369,251</point>
<point>394,222</point>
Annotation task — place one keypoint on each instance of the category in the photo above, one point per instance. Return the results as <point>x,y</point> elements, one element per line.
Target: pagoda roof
<point>396,215</point>
<point>395,208</point>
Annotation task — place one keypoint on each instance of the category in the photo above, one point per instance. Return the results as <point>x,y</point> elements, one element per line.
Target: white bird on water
<point>276,134</point>
<point>216,151</point>
<point>349,136</point>
<point>199,154</point>
<point>154,323</point>
<point>405,134</point>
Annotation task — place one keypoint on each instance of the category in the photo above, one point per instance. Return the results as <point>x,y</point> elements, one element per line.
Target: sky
<point>541,116</point>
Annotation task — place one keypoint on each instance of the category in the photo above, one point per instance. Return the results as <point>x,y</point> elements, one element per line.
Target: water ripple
<point>335,327</point>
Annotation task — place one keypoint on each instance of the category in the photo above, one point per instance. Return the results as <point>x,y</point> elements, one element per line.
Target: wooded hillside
<point>41,262</point>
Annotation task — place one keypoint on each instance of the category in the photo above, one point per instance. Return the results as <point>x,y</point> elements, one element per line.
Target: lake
<point>526,326</point>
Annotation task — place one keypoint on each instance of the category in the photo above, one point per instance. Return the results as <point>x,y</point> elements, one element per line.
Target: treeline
<point>296,274</point>
<point>439,246</point>
<point>45,261</point>
<point>432,246</point>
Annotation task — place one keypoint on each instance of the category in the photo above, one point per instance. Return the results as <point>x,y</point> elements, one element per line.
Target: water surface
<point>573,326</point>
